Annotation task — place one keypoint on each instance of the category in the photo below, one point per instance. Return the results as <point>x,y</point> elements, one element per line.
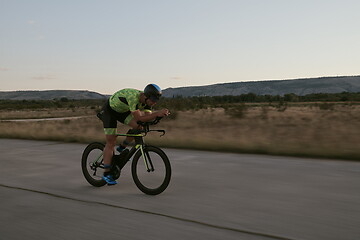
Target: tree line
<point>187,103</point>
<point>182,103</point>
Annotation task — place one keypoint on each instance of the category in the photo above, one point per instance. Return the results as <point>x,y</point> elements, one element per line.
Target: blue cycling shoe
<point>109,180</point>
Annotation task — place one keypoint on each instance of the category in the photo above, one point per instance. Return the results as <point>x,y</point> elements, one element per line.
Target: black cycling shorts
<point>110,117</point>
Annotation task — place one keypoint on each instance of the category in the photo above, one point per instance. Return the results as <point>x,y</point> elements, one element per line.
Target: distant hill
<point>276,87</point>
<point>50,94</point>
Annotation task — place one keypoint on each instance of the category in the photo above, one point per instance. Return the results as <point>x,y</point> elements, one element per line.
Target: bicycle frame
<point>139,144</point>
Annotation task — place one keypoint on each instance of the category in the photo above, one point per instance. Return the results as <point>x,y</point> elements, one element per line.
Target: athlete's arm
<point>149,116</point>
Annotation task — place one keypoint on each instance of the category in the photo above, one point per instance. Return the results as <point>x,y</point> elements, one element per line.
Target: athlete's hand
<point>163,112</point>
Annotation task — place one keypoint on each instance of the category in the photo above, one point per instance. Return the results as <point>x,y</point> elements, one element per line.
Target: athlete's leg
<point>108,118</point>
<point>131,122</point>
<point>109,151</point>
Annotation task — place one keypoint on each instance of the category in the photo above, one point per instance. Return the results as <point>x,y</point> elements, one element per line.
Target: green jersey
<point>127,100</point>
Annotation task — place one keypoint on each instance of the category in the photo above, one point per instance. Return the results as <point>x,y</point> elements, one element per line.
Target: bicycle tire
<point>162,159</point>
<point>85,164</point>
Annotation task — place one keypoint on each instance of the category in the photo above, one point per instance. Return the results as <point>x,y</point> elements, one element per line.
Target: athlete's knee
<point>110,140</point>
<point>133,124</point>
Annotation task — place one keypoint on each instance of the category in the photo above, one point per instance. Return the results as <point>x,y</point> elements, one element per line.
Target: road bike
<point>150,167</point>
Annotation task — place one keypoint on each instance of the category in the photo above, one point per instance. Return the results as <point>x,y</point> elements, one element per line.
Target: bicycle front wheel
<point>151,170</point>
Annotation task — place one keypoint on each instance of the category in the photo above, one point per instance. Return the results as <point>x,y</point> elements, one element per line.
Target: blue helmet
<point>153,92</point>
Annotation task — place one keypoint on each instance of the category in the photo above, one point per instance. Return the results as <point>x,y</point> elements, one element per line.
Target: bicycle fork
<point>147,159</point>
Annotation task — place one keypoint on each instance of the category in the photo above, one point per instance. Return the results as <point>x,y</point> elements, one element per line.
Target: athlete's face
<point>150,103</point>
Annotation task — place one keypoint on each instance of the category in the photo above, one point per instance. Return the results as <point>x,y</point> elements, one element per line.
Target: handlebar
<point>146,128</point>
<point>154,122</point>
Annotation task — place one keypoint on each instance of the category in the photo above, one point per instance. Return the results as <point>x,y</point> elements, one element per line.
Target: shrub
<point>327,106</point>
<point>236,111</point>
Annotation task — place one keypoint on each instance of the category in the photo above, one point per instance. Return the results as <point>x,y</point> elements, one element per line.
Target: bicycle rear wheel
<point>92,164</point>
<point>151,175</point>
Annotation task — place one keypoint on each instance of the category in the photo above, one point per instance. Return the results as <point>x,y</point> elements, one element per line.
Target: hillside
<point>276,87</point>
<point>50,94</point>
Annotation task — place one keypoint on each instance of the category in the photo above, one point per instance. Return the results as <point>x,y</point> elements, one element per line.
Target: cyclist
<point>127,106</point>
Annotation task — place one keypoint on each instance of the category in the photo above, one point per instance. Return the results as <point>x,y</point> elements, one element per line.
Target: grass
<point>295,130</point>
<point>45,113</point>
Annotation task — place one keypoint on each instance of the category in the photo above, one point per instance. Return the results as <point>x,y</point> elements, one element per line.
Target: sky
<point>107,45</point>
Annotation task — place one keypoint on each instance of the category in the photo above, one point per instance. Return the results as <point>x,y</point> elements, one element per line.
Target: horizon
<point>104,47</point>
<point>275,80</point>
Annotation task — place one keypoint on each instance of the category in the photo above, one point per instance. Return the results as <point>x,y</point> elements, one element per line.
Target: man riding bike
<point>127,106</point>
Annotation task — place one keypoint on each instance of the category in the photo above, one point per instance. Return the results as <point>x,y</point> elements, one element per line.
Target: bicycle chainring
<point>115,171</point>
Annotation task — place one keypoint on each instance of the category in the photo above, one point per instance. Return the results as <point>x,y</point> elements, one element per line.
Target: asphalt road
<point>211,196</point>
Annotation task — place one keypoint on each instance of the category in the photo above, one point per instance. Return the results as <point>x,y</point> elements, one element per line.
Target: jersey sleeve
<point>132,101</point>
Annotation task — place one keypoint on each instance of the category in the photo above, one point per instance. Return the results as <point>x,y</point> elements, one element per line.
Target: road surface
<point>211,196</point>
